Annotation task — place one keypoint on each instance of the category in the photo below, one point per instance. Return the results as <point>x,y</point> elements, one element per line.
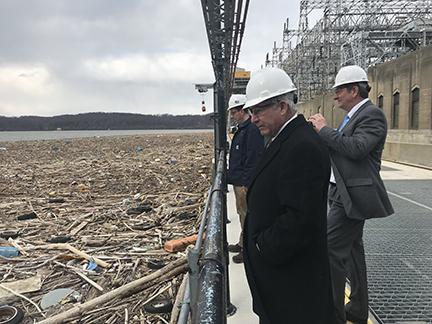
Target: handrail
<point>206,297</point>
<point>211,301</point>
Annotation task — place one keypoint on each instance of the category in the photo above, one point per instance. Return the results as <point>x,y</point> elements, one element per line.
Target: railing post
<point>231,309</point>
<point>208,269</point>
<point>193,259</point>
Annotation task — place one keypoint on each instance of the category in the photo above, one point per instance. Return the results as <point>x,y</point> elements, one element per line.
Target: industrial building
<point>391,39</point>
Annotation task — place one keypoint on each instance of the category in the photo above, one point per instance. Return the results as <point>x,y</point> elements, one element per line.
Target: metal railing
<point>206,298</point>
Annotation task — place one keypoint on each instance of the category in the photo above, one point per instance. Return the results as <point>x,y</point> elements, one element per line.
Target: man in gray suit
<point>356,190</point>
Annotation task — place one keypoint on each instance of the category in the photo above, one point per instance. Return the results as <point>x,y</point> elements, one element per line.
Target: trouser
<point>241,206</point>
<point>347,259</point>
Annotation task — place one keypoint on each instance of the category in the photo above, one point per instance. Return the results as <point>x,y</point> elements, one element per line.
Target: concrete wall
<point>401,75</point>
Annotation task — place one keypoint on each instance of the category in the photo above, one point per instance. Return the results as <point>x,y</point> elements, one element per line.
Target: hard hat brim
<point>348,82</point>
<point>257,101</point>
<point>236,106</point>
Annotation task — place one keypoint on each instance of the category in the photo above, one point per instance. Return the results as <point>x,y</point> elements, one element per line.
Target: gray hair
<point>288,98</point>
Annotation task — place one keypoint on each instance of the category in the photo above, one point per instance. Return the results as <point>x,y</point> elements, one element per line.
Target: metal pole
<point>185,309</point>
<point>194,254</point>
<point>222,150</point>
<point>216,126</point>
<point>221,113</point>
<point>231,309</point>
<point>211,306</point>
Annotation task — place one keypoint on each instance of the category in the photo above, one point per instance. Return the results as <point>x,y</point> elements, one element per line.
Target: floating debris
<point>56,200</point>
<point>9,234</point>
<point>94,218</point>
<point>27,216</point>
<point>55,297</point>
<point>20,286</point>
<point>9,251</point>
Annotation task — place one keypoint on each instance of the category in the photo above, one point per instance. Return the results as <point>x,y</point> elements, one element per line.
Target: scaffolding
<point>365,32</point>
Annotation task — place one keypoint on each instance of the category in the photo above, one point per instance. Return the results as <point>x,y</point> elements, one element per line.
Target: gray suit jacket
<point>356,161</point>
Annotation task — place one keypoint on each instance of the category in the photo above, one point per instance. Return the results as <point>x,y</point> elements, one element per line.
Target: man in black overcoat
<point>285,243</point>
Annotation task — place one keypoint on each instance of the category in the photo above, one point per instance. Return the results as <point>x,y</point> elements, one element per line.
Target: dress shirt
<point>350,114</point>
<point>281,129</point>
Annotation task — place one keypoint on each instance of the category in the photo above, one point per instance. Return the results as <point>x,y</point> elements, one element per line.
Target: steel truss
<point>225,23</point>
<point>365,32</point>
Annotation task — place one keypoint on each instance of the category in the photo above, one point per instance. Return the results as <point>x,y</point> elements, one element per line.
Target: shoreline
<point>16,136</point>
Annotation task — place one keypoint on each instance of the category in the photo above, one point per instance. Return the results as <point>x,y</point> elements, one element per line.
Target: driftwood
<point>15,244</point>
<point>179,300</point>
<point>178,266</point>
<point>91,282</point>
<point>100,179</point>
<point>65,246</point>
<point>79,227</point>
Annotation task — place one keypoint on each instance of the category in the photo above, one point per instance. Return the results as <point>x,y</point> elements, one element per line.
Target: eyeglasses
<point>260,108</point>
<point>339,89</point>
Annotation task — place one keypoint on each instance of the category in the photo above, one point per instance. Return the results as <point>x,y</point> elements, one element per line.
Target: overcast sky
<point>140,56</point>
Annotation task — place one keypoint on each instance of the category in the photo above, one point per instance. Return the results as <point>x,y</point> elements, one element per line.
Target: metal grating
<point>399,257</point>
<point>386,168</point>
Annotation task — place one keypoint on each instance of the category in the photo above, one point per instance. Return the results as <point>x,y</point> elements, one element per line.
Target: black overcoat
<point>285,241</point>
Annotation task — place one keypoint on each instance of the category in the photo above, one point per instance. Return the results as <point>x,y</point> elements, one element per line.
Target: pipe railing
<point>207,295</point>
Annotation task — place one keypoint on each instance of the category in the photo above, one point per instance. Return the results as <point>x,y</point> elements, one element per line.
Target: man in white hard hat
<point>356,190</point>
<point>247,146</point>
<point>285,244</point>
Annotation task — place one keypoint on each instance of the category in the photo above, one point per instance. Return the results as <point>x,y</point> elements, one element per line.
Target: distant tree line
<point>103,121</point>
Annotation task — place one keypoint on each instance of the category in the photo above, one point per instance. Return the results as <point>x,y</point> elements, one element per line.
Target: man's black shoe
<point>354,319</point>
<point>238,258</point>
<point>234,248</point>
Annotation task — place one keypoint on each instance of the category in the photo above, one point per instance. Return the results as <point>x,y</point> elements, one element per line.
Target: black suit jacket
<point>285,241</point>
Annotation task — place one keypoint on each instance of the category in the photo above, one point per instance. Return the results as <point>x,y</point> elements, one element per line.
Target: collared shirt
<point>350,114</point>
<point>243,123</point>
<point>357,107</point>
<point>282,128</point>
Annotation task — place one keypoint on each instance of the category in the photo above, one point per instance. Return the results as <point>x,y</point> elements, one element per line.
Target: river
<point>49,135</point>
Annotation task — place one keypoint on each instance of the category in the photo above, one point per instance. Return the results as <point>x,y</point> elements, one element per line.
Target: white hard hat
<point>350,74</point>
<point>266,84</point>
<point>236,100</point>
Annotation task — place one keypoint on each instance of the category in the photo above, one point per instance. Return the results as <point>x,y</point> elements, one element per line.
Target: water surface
<point>50,135</point>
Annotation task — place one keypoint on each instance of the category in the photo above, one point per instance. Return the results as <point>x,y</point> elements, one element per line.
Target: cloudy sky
<point>141,56</point>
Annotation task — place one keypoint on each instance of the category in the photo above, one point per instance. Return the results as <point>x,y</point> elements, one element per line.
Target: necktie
<point>344,122</point>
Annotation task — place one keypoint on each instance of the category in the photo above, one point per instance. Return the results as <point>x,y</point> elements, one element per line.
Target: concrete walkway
<point>239,289</point>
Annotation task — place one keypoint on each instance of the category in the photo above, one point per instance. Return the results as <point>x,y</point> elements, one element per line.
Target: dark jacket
<point>285,235</point>
<point>356,159</point>
<point>246,148</point>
